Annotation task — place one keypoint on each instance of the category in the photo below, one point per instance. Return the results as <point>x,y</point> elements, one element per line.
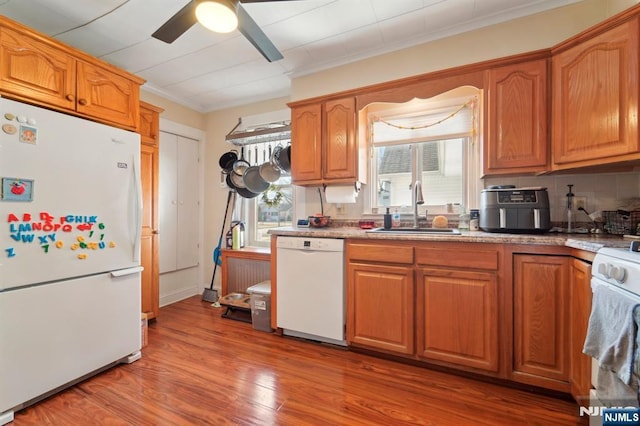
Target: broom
<point>209,294</point>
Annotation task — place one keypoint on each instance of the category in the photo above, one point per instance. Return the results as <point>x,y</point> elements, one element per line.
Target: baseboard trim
<point>168,299</point>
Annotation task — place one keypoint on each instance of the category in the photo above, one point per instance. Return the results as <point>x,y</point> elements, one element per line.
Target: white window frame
<point>471,169</point>
<point>251,218</point>
<point>246,209</point>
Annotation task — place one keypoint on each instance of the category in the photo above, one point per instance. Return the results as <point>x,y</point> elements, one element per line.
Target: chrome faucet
<point>417,200</point>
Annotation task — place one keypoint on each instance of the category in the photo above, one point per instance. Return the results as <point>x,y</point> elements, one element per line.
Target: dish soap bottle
<point>463,222</point>
<point>387,219</point>
<point>395,222</point>
<point>235,237</point>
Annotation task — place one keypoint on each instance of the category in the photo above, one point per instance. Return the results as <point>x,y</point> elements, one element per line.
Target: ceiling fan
<point>219,16</point>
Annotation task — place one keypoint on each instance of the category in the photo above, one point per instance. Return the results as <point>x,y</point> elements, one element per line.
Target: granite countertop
<point>588,242</point>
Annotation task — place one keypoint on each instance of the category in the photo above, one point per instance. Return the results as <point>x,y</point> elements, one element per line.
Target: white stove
<point>619,270</point>
<point>619,267</point>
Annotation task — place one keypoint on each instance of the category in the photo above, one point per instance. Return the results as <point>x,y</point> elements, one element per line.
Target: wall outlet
<point>579,202</point>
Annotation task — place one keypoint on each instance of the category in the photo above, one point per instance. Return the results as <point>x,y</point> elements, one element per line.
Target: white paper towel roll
<point>341,194</point>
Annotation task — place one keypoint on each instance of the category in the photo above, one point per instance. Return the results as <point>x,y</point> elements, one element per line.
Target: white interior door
<point>179,202</point>
<point>167,203</point>
<point>187,241</point>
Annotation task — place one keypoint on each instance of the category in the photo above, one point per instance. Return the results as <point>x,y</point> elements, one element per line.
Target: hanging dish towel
<point>612,339</point>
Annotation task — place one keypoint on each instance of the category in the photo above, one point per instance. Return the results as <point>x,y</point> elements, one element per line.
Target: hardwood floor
<point>202,369</point>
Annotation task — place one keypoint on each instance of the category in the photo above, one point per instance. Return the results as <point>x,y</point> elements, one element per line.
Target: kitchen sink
<point>423,231</point>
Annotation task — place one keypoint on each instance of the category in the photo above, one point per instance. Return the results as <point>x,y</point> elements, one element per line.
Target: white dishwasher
<point>310,286</point>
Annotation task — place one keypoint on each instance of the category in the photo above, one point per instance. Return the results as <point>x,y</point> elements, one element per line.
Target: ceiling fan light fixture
<point>218,16</point>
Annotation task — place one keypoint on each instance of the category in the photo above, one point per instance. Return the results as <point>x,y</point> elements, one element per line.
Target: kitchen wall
<point>218,125</point>
<point>526,34</point>
<point>175,112</point>
<point>603,191</point>
<point>543,30</point>
<point>520,35</point>
<point>183,121</point>
<point>215,127</point>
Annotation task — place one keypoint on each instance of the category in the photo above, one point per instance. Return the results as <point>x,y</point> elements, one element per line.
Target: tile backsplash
<point>603,191</point>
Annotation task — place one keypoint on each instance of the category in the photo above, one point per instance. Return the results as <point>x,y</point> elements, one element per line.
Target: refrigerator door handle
<point>138,183</point>
<point>128,271</point>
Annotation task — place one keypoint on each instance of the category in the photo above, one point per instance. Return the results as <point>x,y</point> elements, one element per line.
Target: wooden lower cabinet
<point>457,317</point>
<point>380,296</point>
<point>541,320</point>
<point>493,309</point>
<point>399,301</point>
<point>580,307</point>
<point>380,307</point>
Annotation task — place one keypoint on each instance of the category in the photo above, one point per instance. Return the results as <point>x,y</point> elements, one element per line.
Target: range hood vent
<point>263,133</point>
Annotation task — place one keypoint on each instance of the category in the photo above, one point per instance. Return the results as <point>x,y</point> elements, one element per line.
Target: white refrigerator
<point>70,223</point>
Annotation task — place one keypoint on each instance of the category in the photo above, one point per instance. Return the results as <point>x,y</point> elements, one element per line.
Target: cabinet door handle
<point>82,101</point>
<point>155,232</point>
<point>69,97</point>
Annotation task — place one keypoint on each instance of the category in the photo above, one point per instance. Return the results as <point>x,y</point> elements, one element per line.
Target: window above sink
<point>434,141</point>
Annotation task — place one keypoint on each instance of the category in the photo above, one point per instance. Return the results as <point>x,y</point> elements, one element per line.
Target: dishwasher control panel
<point>304,243</point>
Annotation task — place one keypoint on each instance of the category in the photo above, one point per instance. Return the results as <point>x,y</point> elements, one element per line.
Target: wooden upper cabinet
<point>107,96</point>
<point>324,143</point>
<point>34,70</point>
<point>339,148</point>
<point>306,144</point>
<point>517,139</point>
<point>149,124</point>
<point>37,69</point>
<point>595,99</point>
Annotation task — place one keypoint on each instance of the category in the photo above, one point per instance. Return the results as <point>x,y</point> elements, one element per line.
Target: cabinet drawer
<point>373,252</point>
<point>473,257</point>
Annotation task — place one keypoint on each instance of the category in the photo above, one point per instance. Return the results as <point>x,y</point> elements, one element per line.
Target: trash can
<point>260,300</point>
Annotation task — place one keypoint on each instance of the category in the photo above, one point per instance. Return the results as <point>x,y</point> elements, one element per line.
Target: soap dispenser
<point>570,196</point>
<point>463,221</point>
<point>395,221</point>
<point>387,219</point>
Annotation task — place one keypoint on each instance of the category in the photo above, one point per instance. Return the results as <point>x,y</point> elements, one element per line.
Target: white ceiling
<point>208,71</point>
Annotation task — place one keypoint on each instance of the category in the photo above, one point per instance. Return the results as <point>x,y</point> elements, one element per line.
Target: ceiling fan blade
<point>178,24</point>
<point>248,27</point>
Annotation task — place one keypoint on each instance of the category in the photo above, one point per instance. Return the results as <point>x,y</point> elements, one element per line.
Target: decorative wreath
<point>272,197</point>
